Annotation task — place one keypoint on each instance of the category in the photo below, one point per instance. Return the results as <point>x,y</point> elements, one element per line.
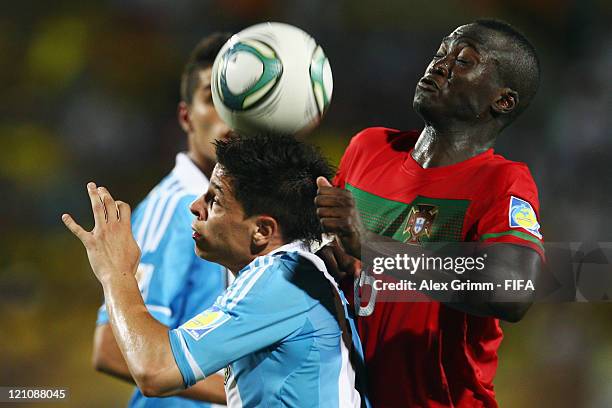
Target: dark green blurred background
<point>89,92</point>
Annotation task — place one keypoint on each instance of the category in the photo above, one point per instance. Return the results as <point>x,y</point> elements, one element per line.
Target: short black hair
<point>521,70</point>
<point>202,57</point>
<point>277,176</point>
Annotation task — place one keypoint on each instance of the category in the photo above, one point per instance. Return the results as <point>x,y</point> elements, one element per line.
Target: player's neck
<point>205,165</point>
<point>443,147</point>
<point>256,252</point>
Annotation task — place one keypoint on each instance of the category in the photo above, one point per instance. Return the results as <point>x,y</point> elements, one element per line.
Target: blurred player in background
<point>281,328</point>
<point>444,184</point>
<point>175,283</point>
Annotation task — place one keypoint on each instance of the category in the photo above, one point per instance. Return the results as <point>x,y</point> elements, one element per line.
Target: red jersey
<point>426,354</point>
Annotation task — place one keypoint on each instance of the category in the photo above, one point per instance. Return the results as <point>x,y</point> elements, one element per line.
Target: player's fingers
<point>109,204</point>
<point>97,205</point>
<point>334,192</point>
<point>333,201</point>
<point>335,225</point>
<point>327,256</point>
<point>345,262</point>
<point>328,190</point>
<point>124,212</point>
<point>75,228</point>
<point>332,212</point>
<point>323,182</point>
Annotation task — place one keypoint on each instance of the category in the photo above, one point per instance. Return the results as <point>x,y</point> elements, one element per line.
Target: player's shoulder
<point>382,137</point>
<point>507,172</point>
<point>267,278</point>
<point>304,271</point>
<point>372,147</point>
<point>288,270</point>
<point>293,262</point>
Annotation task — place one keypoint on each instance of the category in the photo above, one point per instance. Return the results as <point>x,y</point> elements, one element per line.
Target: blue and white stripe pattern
<point>277,331</point>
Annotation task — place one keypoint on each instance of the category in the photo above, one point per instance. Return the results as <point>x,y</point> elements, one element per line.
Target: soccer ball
<point>271,78</point>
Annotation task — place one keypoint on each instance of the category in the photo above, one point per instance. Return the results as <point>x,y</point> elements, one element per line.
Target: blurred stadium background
<point>90,92</point>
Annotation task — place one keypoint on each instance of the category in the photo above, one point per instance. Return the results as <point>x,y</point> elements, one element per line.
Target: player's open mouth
<point>196,235</point>
<point>428,84</point>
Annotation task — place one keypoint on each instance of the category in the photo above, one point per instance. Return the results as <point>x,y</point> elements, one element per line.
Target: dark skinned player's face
<point>460,83</point>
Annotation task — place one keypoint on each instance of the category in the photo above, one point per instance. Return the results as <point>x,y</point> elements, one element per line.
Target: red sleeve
<point>513,215</point>
<point>346,160</point>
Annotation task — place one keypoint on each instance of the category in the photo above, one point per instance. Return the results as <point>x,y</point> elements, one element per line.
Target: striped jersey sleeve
<point>256,311</point>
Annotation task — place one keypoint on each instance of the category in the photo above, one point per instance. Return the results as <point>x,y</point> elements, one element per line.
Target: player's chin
<point>426,104</point>
<point>200,250</point>
<point>207,252</point>
<point>422,95</point>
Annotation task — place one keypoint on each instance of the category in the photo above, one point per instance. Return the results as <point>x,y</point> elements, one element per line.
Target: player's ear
<point>506,101</point>
<point>266,229</point>
<point>182,113</point>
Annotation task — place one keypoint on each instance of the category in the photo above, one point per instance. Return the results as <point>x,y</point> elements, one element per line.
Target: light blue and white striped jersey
<point>175,283</point>
<point>282,330</point>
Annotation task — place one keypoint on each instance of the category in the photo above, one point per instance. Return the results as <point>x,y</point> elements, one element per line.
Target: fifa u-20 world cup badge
<point>205,322</point>
<point>420,222</point>
<point>522,215</point>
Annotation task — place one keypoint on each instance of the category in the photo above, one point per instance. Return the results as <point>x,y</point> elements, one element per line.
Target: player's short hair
<point>520,70</point>
<point>202,57</point>
<point>277,176</point>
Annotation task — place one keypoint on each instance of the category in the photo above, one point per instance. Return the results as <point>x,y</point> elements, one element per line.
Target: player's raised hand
<point>339,264</point>
<point>110,246</point>
<point>338,215</point>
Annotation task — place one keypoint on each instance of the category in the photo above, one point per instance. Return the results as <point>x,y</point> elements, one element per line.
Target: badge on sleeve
<point>205,322</point>
<point>522,215</point>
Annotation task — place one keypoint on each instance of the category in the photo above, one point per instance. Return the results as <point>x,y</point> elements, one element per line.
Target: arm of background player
<point>337,213</point>
<point>107,358</point>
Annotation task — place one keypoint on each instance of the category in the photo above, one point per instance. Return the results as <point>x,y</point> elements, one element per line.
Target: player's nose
<point>198,208</point>
<point>440,68</point>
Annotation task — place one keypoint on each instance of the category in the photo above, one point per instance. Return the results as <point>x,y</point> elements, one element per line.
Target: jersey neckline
<point>411,166</point>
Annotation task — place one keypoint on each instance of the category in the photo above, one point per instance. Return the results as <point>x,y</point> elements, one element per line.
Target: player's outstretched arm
<point>114,255</point>
<point>338,215</point>
<point>107,358</point>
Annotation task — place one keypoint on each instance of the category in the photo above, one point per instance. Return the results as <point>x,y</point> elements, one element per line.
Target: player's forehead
<point>204,77</point>
<point>220,181</point>
<point>480,38</point>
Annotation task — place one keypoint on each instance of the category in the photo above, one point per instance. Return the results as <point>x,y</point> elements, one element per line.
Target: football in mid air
<point>271,78</point>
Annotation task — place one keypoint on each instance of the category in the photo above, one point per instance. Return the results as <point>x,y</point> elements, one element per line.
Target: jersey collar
<point>295,246</point>
<point>411,166</point>
<point>189,175</point>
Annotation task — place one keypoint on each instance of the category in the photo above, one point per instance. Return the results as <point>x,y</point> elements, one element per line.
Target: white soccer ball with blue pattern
<point>271,78</point>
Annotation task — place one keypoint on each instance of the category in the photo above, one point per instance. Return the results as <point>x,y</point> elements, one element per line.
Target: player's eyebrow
<point>218,187</point>
<point>471,42</point>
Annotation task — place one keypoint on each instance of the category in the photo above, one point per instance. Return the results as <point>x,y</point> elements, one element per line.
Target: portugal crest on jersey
<point>420,221</point>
